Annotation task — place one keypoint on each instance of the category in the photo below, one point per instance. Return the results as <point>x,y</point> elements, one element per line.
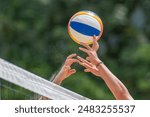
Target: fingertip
<point>73,71</point>
<point>80,63</point>
<point>94,36</point>
<point>87,58</point>
<point>74,54</point>
<point>86,70</point>
<point>78,56</point>
<point>71,56</point>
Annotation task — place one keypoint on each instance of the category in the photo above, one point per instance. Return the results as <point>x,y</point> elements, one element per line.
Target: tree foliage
<point>33,35</point>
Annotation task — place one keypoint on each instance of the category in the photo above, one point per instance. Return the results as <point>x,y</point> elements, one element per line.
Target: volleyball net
<point>14,76</point>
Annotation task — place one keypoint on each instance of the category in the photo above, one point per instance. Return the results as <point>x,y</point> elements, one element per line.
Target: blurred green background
<point>33,35</point>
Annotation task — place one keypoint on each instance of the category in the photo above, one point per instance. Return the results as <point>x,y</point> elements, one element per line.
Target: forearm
<point>114,84</point>
<point>58,79</point>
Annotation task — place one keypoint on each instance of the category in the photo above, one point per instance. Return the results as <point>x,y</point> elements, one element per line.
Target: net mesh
<point>30,84</point>
<point>10,91</point>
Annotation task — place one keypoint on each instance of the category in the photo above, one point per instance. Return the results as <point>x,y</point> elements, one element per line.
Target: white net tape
<point>34,83</point>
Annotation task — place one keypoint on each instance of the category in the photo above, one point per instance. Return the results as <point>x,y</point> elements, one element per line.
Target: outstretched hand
<point>66,69</point>
<point>92,61</point>
<point>91,51</point>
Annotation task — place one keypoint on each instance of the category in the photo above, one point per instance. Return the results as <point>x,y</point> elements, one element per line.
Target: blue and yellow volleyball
<point>84,25</point>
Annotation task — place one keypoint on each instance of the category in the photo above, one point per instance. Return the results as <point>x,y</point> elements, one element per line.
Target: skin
<point>94,65</point>
<point>65,71</point>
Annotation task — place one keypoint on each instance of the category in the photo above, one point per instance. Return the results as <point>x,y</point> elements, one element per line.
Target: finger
<point>73,60</point>
<point>88,58</point>
<point>71,56</point>
<point>72,71</point>
<point>84,50</point>
<point>95,43</point>
<point>69,62</point>
<point>87,66</point>
<point>67,67</point>
<point>83,60</point>
<point>86,70</point>
<point>95,37</point>
<point>85,45</point>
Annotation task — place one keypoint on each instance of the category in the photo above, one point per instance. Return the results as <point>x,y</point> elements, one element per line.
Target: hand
<point>91,51</point>
<point>89,66</point>
<point>66,69</point>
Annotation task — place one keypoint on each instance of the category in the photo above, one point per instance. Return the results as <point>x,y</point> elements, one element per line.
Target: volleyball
<point>84,25</point>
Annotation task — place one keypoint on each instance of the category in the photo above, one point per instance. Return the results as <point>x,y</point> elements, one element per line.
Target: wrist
<point>59,78</point>
<point>99,63</point>
<point>57,81</point>
<point>101,69</point>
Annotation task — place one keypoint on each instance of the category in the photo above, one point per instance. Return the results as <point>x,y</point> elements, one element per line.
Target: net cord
<point>34,83</point>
